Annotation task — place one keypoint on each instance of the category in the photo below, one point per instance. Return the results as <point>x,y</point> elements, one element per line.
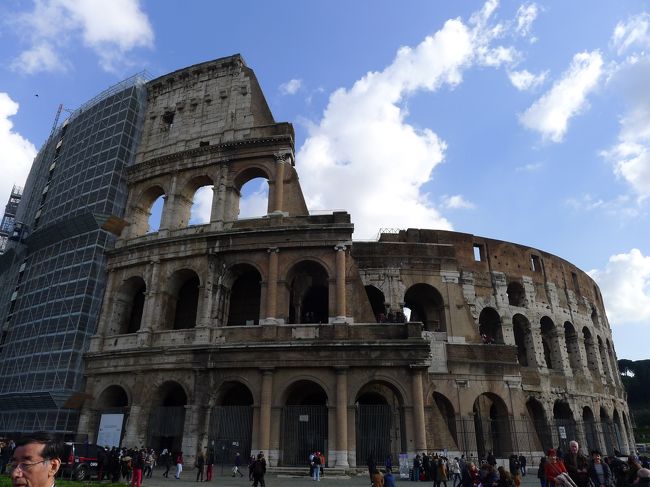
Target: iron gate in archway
<point>231,428</point>
<point>304,430</point>
<point>375,424</point>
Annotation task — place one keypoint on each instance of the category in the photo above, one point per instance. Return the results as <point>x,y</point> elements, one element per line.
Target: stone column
<point>279,183</point>
<point>266,399</point>
<point>420,439</point>
<point>272,284</point>
<point>340,282</point>
<point>132,434</point>
<point>341,452</point>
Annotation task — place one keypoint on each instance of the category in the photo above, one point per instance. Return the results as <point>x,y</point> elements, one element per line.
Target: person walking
<point>179,464</point>
<point>259,470</point>
<point>236,469</point>
<point>209,462</point>
<point>200,465</point>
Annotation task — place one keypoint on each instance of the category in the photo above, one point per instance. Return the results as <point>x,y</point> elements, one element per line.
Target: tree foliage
<point>636,379</point>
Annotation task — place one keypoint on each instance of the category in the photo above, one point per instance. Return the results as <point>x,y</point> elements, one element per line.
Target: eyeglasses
<point>25,466</point>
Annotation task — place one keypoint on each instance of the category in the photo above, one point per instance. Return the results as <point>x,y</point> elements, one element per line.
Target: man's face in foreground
<point>30,469</point>
<point>574,447</point>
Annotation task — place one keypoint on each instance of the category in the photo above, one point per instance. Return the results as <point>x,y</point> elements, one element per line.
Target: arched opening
<point>112,408</point>
<point>613,366</point>
<point>444,422</point>
<point>589,423</point>
<point>541,425</point>
<point>618,434</point>
<point>565,424</point>
<point>194,204</point>
<point>516,294</point>
<point>167,418</point>
<point>309,293</point>
<point>572,347</point>
<point>603,359</point>
<point>609,436</point>
<point>250,194</point>
<point>524,341</point>
<point>254,198</point>
<point>245,296</point>
<point>379,423</point>
<point>201,209</point>
<point>304,422</point>
<point>551,344</point>
<point>590,351</point>
<point>489,326</point>
<point>492,426</point>
<point>594,316</point>
<point>231,423</point>
<point>426,305</point>
<point>377,302</point>
<point>146,213</point>
<point>128,307</point>
<point>183,299</point>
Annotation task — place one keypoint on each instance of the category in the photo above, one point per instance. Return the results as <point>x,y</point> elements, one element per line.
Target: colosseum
<point>283,334</point>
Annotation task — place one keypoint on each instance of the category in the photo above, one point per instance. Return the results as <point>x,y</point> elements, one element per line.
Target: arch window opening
<point>516,294</point>
<point>590,350</point>
<point>231,424</point>
<point>490,326</point>
<point>154,219</point>
<point>492,426</point>
<point>254,198</point>
<point>444,419</point>
<point>379,424</point>
<point>309,294</point>
<point>607,373</point>
<point>201,208</point>
<point>129,306</point>
<point>245,298</point>
<point>426,305</point>
<point>304,423</point>
<point>524,341</point>
<point>550,344</point>
<point>377,302</point>
<point>167,418</point>
<point>183,300</point>
<point>572,346</point>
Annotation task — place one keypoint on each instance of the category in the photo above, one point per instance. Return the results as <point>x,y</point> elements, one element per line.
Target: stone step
<point>298,471</point>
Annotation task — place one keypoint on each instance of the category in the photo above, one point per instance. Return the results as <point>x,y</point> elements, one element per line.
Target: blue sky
<point>521,121</point>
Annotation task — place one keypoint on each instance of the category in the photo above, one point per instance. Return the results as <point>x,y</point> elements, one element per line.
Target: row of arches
<point>379,422</point>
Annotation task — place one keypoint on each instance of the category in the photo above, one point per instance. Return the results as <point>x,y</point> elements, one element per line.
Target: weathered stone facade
<point>282,334</point>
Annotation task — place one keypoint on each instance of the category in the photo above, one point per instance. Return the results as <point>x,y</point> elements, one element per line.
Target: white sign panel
<point>110,430</point>
<point>562,431</point>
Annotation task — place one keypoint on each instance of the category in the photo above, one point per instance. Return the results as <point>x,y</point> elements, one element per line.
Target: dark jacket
<point>606,472</point>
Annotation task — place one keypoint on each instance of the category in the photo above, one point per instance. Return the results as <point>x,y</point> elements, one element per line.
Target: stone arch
<point>541,425</point>
<point>524,341</point>
<point>304,421</point>
<point>377,303</point>
<point>572,347</point>
<point>128,306</point>
<point>426,305</point>
<point>550,342</point>
<point>244,295</point>
<point>167,417</point>
<point>443,420</point>
<point>489,326</point>
<point>182,299</point>
<point>308,282</point>
<point>186,199</point>
<point>609,436</point>
<point>563,417</point>
<point>379,421</point>
<point>141,210</point>
<point>589,424</point>
<point>590,351</point>
<point>594,316</point>
<point>239,180</point>
<point>603,358</point>
<point>516,294</point>
<point>612,360</point>
<point>113,397</point>
<point>231,422</point>
<point>619,434</point>
<point>492,425</point>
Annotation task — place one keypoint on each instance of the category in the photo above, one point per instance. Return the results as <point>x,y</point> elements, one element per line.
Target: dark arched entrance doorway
<point>492,426</point>
<point>167,418</point>
<point>308,293</point>
<point>304,423</point>
<point>231,423</point>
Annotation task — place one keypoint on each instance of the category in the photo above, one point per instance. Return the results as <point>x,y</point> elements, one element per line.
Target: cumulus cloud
<point>524,80</point>
<point>201,206</point>
<point>110,29</point>
<point>291,87</point>
<point>621,206</point>
<point>550,114</point>
<point>630,156</point>
<point>17,152</point>
<point>363,155</point>
<point>457,202</point>
<point>255,198</point>
<point>526,15</point>
<point>625,285</point>
<point>632,33</point>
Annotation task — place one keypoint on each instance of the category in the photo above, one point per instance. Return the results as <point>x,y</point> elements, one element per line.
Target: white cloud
<point>255,198</point>
<point>291,87</point>
<point>532,167</point>
<point>625,285</point>
<point>633,32</point>
<point>525,80</point>
<point>364,156</point>
<point>630,156</point>
<point>551,113</point>
<point>457,202</point>
<point>17,152</point>
<point>621,206</point>
<point>201,206</point>
<point>110,29</point>
<point>526,15</point>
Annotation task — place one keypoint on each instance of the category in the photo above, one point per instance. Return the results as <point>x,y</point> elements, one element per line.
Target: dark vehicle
<point>79,461</point>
